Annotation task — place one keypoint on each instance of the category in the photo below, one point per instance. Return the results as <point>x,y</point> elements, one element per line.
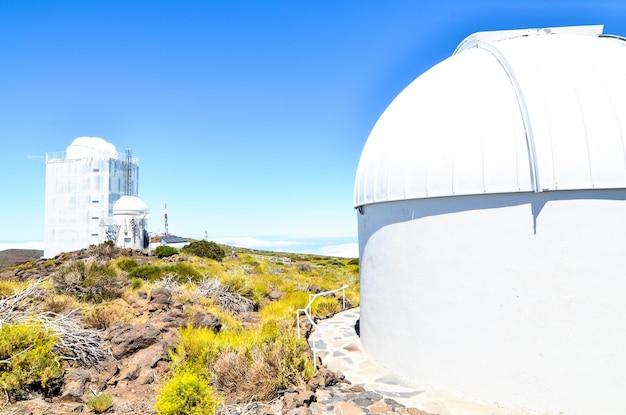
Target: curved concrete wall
<point>518,299</point>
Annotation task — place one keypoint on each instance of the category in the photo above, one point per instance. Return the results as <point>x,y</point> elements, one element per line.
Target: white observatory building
<point>492,223</point>
<point>82,186</point>
<point>128,227</point>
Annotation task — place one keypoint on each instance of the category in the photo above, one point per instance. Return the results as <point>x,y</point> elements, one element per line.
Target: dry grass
<point>105,315</point>
<point>244,379</point>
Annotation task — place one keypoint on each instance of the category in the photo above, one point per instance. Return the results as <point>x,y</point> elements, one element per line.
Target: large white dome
<point>130,205</point>
<point>91,147</point>
<point>510,111</point>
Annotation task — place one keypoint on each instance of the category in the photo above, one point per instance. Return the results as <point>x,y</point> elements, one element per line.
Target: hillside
<point>133,329</point>
<point>10,257</point>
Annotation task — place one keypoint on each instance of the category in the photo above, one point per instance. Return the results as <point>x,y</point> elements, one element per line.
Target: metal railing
<point>307,311</point>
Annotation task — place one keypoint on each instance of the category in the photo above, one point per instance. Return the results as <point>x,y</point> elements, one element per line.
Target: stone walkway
<point>339,347</point>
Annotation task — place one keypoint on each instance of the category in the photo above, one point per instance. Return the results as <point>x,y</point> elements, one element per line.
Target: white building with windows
<point>492,223</point>
<point>82,185</point>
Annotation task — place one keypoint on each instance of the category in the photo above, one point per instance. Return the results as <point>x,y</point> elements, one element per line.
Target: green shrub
<point>89,280</point>
<point>354,261</point>
<point>335,262</point>
<point>147,272</point>
<point>126,263</point>
<point>326,306</point>
<point>163,251</point>
<point>136,283</point>
<point>206,249</point>
<point>27,360</point>
<point>187,393</point>
<point>100,403</point>
<point>183,272</point>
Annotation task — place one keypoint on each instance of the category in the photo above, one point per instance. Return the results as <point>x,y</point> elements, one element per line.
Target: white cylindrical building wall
<point>82,185</point>
<point>516,299</point>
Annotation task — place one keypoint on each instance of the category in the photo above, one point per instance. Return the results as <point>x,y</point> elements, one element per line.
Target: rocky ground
<point>137,361</point>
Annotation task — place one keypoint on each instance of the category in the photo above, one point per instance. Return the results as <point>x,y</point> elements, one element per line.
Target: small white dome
<point>510,111</point>
<point>130,205</point>
<point>91,147</point>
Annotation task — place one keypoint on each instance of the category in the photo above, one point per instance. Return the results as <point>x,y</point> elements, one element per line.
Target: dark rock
<point>105,371</point>
<point>275,295</point>
<point>290,399</point>
<point>305,398</point>
<point>362,401</point>
<point>323,378</point>
<point>160,298</point>
<point>315,288</point>
<point>249,318</point>
<point>373,396</point>
<point>174,318</point>
<point>149,356</point>
<point>74,384</point>
<point>125,339</point>
<point>207,320</point>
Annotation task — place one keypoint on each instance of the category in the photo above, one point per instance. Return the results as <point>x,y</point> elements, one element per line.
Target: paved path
<point>339,347</point>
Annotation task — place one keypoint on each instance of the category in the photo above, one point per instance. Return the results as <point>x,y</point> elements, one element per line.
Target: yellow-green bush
<point>100,403</point>
<point>187,393</point>
<point>27,358</point>
<point>285,308</point>
<point>10,287</point>
<point>251,364</point>
<point>326,306</point>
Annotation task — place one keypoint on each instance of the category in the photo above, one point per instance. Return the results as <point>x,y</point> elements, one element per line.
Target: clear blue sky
<point>248,117</point>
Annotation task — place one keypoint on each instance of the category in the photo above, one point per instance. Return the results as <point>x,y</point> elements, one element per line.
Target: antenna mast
<point>165,217</point>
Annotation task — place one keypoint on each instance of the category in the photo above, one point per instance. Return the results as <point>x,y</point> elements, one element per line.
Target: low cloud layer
<point>318,245</point>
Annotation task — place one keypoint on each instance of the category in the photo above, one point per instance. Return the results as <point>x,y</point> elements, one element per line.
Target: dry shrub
<point>61,303</point>
<point>260,372</point>
<point>89,280</point>
<point>243,379</point>
<point>230,369</point>
<point>105,315</point>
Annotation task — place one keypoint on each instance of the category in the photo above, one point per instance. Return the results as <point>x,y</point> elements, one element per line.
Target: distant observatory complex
<point>91,197</point>
<point>492,223</point>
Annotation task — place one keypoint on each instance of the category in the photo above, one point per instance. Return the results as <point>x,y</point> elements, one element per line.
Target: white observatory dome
<point>91,147</point>
<point>491,196</point>
<point>510,111</point>
<point>129,205</point>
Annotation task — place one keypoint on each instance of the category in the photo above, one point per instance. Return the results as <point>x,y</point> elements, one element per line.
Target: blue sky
<point>248,117</point>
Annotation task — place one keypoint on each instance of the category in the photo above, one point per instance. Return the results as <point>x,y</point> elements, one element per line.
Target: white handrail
<point>307,311</point>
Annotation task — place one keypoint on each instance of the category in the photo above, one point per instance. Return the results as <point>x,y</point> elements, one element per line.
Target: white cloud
<point>314,246</point>
<point>349,250</point>
<point>21,245</point>
<point>254,243</point>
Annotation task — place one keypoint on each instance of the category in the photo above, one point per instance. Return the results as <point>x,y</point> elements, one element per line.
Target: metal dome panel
<point>129,205</point>
<point>532,111</point>
<point>91,147</point>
